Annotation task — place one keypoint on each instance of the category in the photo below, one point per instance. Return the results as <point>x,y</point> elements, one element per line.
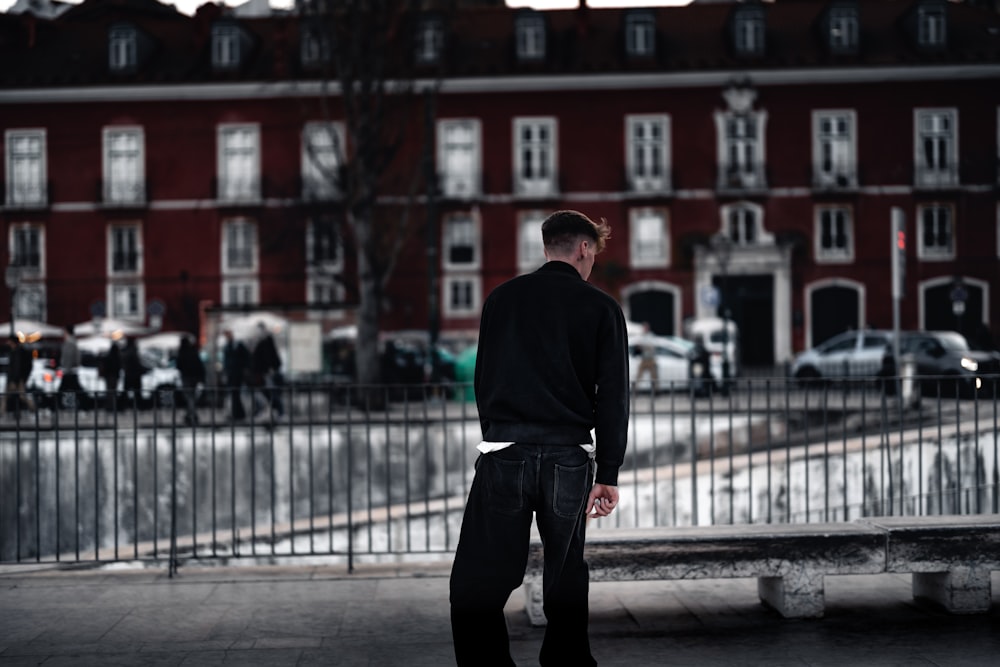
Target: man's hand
<point>602,500</point>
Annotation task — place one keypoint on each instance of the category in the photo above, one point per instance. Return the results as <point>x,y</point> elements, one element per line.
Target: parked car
<point>943,362</point>
<point>720,337</point>
<point>849,355</point>
<point>677,364</point>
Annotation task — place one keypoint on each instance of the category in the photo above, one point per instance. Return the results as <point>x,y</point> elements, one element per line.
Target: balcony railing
<point>351,472</point>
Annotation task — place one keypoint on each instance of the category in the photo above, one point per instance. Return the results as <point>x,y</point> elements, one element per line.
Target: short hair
<point>561,230</point>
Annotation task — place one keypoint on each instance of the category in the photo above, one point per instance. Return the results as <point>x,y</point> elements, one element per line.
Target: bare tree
<point>373,85</point>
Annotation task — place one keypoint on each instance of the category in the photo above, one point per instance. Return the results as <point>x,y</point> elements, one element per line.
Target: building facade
<point>749,157</point>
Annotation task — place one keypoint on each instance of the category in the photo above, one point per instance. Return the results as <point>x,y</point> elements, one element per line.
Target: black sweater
<point>552,364</point>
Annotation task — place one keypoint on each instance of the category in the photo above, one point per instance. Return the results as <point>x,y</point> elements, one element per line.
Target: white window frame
<point>544,155</point>
<point>16,257</point>
<point>530,37</point>
<point>748,33</point>
<point>314,46</point>
<point>124,167</point>
<point>30,301</point>
<point>323,274</point>
<point>459,155</point>
<point>324,264</point>
<point>649,236</point>
<point>640,34</point>
<point>843,29</point>
<point>936,252</point>
<point>322,153</point>
<point>27,169</point>
<point>123,48</point>
<point>741,149</point>
<point>244,231</point>
<point>451,308</point>
<point>134,292</point>
<point>935,130</point>
<point>642,148</point>
<point>833,215</point>
<point>461,229</point>
<point>749,228</point>
<point>240,291</point>
<point>239,151</point>
<point>835,147</point>
<point>530,247</point>
<point>429,41</point>
<point>118,231</point>
<point>225,46</point>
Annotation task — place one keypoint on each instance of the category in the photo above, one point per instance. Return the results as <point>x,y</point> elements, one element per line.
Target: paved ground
<point>381,615</point>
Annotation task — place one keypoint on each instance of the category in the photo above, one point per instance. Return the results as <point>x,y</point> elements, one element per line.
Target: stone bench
<point>950,558</point>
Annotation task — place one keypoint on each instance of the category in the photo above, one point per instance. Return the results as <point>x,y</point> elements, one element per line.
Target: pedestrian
<point>18,372</point>
<point>235,359</point>
<point>192,371</point>
<point>552,366</point>
<point>265,366</point>
<point>69,361</point>
<point>111,370</point>
<point>132,370</point>
<point>647,359</point>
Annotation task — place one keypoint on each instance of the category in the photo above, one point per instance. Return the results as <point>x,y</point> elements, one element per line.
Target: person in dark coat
<point>192,371</point>
<point>265,365</point>
<point>235,362</point>
<point>133,369</point>
<point>69,361</point>
<point>18,371</point>
<point>111,369</point>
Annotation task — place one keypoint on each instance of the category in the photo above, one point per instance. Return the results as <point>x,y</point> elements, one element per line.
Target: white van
<point>720,337</point>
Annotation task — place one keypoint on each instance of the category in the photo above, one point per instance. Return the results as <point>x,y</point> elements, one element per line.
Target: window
<point>834,235</point>
<point>741,150</point>
<point>648,153</point>
<point>931,26</point>
<point>26,170</point>
<point>530,36</point>
<point>748,31</point>
<point>124,250</point>
<point>430,40</point>
<point>122,49</point>
<point>530,249</point>
<point>324,262</point>
<point>459,157</point>
<point>535,156</point>
<point>322,148</point>
<point>239,163</point>
<point>843,29</point>
<point>936,144</point>
<point>461,295</point>
<point>640,34</point>
<point>239,262</point>
<point>27,244</point>
<point>743,224</point>
<point>124,165</point>
<point>650,238</point>
<point>29,301</point>
<point>936,232</point>
<point>225,46</point>
<point>239,246</point>
<point>126,300</point>
<point>834,149</point>
<point>460,242</point>
<point>314,45</point>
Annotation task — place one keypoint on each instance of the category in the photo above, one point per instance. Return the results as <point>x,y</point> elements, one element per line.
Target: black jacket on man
<point>552,364</point>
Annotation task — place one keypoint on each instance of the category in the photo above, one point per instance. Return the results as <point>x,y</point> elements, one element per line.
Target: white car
<point>852,354</point>
<point>674,357</point>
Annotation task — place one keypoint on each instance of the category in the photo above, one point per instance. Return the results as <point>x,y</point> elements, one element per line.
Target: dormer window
<point>530,35</point>
<point>842,29</point>
<point>640,34</point>
<point>225,47</point>
<point>748,31</point>
<point>932,26</point>
<point>123,49</point>
<point>430,39</point>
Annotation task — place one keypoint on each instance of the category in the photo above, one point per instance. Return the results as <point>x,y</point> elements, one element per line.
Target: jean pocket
<point>505,484</point>
<point>571,489</point>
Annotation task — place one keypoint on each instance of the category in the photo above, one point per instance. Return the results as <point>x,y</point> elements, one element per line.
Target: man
<point>235,359</point>
<point>69,361</point>
<point>18,372</point>
<point>552,365</point>
<point>647,362</point>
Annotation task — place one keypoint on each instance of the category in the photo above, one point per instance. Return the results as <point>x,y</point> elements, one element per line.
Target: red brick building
<point>749,153</point>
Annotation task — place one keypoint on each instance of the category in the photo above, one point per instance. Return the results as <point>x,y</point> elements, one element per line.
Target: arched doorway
<point>938,298</point>
<point>656,303</point>
<point>833,307</point>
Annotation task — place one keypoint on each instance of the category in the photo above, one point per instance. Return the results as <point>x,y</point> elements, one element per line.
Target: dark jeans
<point>510,486</point>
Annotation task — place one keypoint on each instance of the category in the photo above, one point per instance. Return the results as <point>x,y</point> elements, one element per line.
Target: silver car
<point>852,354</point>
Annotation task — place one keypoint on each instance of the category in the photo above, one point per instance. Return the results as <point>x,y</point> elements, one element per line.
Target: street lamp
<point>13,280</point>
<point>722,248</point>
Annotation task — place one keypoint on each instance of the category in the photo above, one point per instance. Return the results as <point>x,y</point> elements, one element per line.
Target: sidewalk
<point>398,615</point>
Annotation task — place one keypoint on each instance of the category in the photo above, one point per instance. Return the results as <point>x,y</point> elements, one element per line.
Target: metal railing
<point>381,472</point>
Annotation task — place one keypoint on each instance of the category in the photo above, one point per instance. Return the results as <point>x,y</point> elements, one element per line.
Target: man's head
<point>572,237</point>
